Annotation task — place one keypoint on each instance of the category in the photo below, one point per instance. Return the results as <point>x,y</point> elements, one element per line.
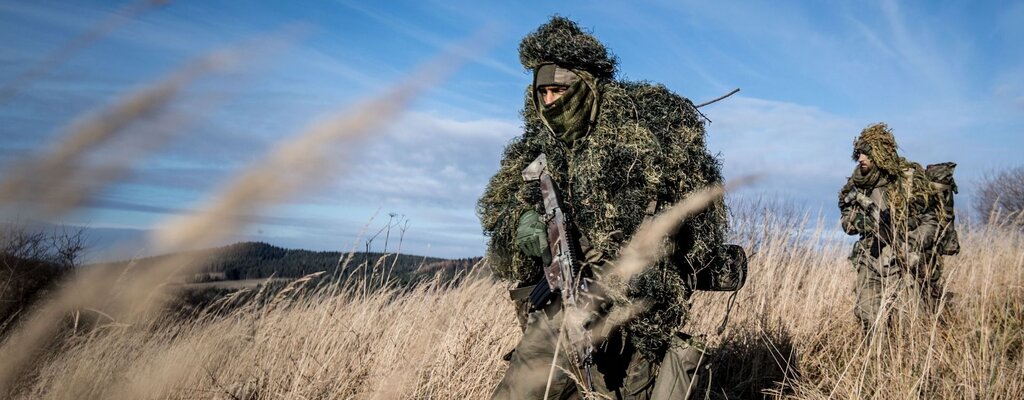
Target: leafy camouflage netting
<point>562,42</point>
<point>648,145</point>
<point>879,143</point>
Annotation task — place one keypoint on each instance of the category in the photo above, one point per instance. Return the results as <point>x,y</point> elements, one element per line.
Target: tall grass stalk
<point>791,334</point>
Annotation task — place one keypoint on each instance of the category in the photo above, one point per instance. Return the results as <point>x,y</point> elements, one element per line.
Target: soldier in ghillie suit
<point>619,152</point>
<point>890,203</point>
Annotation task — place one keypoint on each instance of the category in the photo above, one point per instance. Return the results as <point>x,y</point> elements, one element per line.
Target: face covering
<point>572,115</point>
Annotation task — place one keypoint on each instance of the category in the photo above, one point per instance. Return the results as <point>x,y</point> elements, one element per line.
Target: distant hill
<point>258,260</point>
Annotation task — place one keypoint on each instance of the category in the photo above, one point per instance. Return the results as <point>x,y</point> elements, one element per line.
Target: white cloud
<point>77,19</point>
<point>409,29</point>
<point>427,167</point>
<point>1008,89</point>
<point>425,158</point>
<point>779,138</point>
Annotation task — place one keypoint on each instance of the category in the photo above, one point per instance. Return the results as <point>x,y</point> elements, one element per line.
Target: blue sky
<point>948,78</point>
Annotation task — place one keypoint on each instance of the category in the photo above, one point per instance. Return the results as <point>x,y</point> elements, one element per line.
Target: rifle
<point>881,220</point>
<point>564,274</point>
<point>858,198</point>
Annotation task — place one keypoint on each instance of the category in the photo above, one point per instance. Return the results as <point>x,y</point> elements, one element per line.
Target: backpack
<point>944,187</point>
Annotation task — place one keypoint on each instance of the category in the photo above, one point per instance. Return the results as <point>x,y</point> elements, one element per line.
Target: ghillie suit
<point>629,150</point>
<point>893,208</point>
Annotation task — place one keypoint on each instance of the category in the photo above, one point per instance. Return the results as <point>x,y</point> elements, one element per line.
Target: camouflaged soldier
<point>889,202</point>
<point>619,152</point>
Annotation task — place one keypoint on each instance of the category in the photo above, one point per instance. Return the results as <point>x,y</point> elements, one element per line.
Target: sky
<point>947,77</point>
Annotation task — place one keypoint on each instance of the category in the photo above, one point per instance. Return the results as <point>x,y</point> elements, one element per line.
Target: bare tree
<point>1000,197</point>
<point>60,246</point>
<point>32,261</point>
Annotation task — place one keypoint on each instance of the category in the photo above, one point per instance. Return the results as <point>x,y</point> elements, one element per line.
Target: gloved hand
<point>532,236</point>
<point>863,223</point>
<point>858,198</point>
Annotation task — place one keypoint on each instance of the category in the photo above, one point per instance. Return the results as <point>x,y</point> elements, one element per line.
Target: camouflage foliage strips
<point>879,144</point>
<point>562,42</point>
<point>647,144</point>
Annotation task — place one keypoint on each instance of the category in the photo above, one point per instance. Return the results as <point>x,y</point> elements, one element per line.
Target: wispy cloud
<point>1008,89</point>
<point>410,29</point>
<point>772,136</point>
<point>430,168</point>
<point>802,152</point>
<point>923,55</point>
<point>80,19</point>
<point>812,74</point>
<point>425,158</point>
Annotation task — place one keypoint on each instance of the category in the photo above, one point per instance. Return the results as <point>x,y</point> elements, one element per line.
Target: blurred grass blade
<point>31,186</point>
<point>293,166</point>
<point>76,44</point>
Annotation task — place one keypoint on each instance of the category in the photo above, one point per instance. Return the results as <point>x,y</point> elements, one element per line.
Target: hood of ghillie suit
<point>648,144</point>
<point>908,186</point>
<point>561,45</point>
<point>878,143</point>
<point>562,42</point>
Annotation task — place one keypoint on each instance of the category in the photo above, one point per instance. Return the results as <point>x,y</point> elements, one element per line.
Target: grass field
<point>233,284</point>
<point>791,334</point>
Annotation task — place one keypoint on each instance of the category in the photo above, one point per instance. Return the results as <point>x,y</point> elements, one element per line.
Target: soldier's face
<point>548,94</point>
<point>864,162</point>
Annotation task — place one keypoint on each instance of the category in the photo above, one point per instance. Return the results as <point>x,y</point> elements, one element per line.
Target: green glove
<point>532,236</point>
<point>859,222</point>
<point>863,223</point>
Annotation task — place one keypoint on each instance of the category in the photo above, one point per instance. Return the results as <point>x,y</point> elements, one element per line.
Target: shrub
<point>1000,197</point>
<point>31,262</point>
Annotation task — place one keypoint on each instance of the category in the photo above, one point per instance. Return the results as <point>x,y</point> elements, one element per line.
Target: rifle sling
<point>540,295</point>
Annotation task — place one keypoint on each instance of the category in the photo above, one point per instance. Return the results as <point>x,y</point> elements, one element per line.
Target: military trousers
<point>875,294</point>
<point>929,280</point>
<point>617,374</point>
<point>877,291</point>
<point>883,270</point>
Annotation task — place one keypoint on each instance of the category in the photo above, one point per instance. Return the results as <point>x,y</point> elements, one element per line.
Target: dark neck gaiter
<point>572,115</point>
<point>868,180</point>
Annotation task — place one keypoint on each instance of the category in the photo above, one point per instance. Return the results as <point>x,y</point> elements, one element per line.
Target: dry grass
<point>792,334</point>
<point>236,284</point>
<point>289,168</point>
<point>432,342</point>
